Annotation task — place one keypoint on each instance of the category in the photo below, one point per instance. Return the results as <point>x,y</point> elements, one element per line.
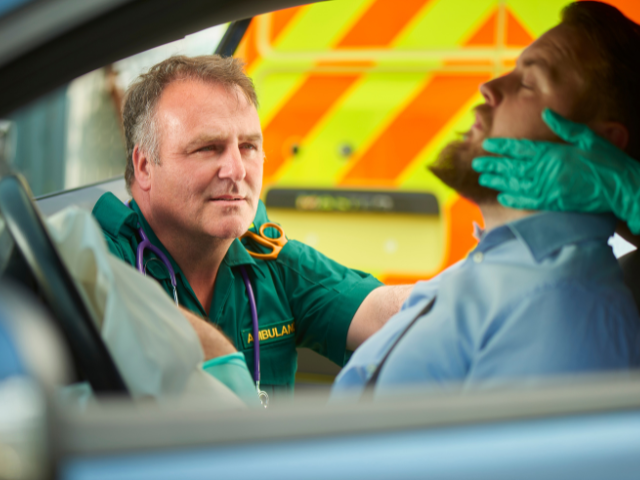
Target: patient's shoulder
<point>574,301</point>
<point>570,326</point>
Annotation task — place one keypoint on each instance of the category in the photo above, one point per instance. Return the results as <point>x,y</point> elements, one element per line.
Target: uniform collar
<point>114,216</point>
<point>159,273</point>
<point>545,232</point>
<point>238,255</point>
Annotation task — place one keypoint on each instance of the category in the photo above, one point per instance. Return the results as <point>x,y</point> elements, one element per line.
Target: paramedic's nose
<point>491,91</point>
<point>232,165</point>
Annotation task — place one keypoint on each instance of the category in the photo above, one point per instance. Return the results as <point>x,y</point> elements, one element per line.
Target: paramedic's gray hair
<point>142,97</point>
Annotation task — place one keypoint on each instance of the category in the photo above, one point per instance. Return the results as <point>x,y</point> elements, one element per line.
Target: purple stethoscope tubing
<point>256,328</point>
<point>146,243</point>
<point>262,395</point>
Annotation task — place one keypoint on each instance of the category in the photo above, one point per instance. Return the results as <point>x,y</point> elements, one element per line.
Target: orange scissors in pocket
<point>275,244</point>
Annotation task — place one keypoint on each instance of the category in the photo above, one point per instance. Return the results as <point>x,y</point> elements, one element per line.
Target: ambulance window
<point>73,136</point>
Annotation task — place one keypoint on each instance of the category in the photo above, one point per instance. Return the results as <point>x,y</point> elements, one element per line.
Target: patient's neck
<point>495,215</point>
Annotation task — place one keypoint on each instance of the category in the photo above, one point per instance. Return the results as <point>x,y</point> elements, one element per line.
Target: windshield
<point>356,99</point>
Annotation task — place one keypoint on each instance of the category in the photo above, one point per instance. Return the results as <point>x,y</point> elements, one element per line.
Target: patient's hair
<point>614,71</point>
<point>142,97</point>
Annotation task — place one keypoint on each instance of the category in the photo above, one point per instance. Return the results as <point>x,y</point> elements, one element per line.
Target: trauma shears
<point>275,244</point>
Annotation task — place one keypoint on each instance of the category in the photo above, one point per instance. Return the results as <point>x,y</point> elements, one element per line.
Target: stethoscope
<point>142,268</point>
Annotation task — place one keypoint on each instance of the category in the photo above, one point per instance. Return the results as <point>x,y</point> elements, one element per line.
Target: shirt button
<point>478,257</point>
<point>371,368</point>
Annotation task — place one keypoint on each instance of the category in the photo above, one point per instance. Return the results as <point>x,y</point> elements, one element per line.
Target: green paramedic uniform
<point>304,299</point>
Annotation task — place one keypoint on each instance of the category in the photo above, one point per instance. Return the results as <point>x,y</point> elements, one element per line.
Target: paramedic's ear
<point>615,132</point>
<point>141,168</point>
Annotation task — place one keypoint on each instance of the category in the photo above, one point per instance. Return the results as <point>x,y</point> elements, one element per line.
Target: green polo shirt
<point>304,299</point>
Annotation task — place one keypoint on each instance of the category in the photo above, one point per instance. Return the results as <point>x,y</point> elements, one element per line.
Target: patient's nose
<point>491,92</point>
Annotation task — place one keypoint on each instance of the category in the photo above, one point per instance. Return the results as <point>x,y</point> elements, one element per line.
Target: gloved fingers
<point>571,132</point>
<point>491,165</point>
<point>497,182</point>
<point>510,167</point>
<point>510,147</point>
<point>519,201</point>
<point>499,146</point>
<point>506,184</point>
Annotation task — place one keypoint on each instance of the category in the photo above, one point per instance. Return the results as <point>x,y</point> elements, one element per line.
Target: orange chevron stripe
<point>247,50</point>
<point>412,129</point>
<point>631,8</point>
<point>381,23</point>
<point>486,34</point>
<point>516,34</point>
<point>300,114</point>
<point>314,98</point>
<point>461,214</point>
<point>280,19</point>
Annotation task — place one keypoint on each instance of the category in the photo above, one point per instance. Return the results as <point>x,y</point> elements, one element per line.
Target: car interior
<point>571,428</point>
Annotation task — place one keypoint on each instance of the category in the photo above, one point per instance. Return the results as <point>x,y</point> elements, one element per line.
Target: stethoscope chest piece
<point>263,396</point>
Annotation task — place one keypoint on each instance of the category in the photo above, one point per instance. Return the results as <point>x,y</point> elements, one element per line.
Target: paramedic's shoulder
<point>119,225</point>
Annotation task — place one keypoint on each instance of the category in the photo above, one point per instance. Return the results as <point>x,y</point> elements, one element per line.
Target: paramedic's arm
<point>378,307</point>
<point>214,342</point>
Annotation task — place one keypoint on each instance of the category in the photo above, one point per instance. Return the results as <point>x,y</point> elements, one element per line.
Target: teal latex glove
<point>233,372</point>
<point>587,174</point>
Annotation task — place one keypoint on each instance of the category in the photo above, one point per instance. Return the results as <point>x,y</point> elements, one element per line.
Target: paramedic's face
<point>547,75</point>
<point>210,173</point>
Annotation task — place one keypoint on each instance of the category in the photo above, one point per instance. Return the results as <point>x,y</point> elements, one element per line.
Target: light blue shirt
<point>540,296</point>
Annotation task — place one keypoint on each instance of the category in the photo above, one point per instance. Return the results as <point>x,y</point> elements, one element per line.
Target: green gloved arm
<point>233,372</point>
<point>587,174</point>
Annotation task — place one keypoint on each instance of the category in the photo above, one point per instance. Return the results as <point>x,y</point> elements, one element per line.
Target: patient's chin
<point>453,168</point>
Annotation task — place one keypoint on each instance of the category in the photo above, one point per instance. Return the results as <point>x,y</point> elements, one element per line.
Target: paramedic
<point>194,170</point>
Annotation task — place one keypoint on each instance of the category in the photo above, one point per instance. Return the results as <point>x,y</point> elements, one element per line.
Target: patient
<point>542,293</point>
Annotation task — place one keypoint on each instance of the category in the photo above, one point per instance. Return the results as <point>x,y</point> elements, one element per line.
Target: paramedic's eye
<point>249,149</point>
<point>208,148</point>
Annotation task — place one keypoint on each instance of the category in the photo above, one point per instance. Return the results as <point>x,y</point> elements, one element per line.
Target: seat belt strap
<point>367,394</point>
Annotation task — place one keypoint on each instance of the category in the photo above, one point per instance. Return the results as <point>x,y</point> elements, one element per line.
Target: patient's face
<point>548,74</point>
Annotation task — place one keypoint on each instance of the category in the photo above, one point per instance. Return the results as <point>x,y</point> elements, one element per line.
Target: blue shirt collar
<point>545,232</point>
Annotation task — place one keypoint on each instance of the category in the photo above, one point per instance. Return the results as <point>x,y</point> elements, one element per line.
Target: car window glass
<point>73,136</point>
<point>6,245</point>
<point>7,6</point>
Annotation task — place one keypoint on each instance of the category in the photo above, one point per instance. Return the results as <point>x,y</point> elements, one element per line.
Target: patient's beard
<point>453,166</point>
